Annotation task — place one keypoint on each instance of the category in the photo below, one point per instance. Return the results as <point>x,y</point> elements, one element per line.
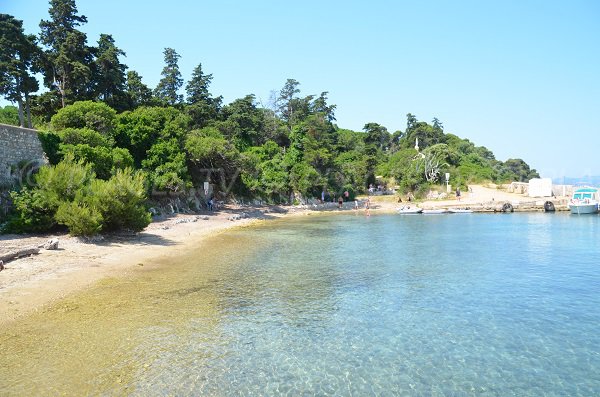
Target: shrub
<point>50,144</point>
<point>103,160</point>
<point>97,116</point>
<point>121,201</point>
<point>81,219</point>
<point>69,194</point>
<point>87,136</point>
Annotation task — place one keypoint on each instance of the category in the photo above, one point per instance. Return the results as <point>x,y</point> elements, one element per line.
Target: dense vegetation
<point>102,122</point>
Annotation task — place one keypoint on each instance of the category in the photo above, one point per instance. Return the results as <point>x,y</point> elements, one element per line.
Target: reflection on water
<point>347,305</point>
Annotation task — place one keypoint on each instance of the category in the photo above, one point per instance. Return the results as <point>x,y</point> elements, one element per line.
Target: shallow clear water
<point>444,305</point>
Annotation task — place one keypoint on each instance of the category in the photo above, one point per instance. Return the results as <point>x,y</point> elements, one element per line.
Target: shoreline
<point>30,283</point>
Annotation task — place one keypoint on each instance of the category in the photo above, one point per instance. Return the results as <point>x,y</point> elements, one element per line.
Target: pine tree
<point>68,61</point>
<point>171,82</point>
<point>16,59</point>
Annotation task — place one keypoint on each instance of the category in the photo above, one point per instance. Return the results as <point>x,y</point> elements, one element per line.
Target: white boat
<point>431,212</point>
<point>460,211</point>
<point>409,209</point>
<point>584,201</point>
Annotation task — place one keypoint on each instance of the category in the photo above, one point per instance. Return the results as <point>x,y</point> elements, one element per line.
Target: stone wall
<point>18,145</point>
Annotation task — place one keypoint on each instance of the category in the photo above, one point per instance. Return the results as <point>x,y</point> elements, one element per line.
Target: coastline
<point>30,283</point>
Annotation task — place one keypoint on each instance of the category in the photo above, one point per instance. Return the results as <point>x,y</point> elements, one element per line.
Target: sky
<point>521,78</point>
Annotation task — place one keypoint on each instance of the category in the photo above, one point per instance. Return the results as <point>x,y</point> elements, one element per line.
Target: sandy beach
<point>29,283</point>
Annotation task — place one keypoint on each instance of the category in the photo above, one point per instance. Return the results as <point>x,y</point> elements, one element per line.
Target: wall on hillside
<point>18,145</point>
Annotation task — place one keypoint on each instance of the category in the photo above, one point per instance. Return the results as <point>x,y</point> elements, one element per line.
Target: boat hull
<point>410,210</point>
<point>583,208</point>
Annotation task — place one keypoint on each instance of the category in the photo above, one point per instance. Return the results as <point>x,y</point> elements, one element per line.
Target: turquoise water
<point>444,305</point>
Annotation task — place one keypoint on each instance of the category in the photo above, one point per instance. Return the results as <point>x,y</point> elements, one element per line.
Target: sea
<point>334,305</point>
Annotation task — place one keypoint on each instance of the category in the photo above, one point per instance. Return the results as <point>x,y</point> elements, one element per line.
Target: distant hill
<point>584,180</point>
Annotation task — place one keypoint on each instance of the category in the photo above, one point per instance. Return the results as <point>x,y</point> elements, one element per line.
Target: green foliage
<point>120,201</point>
<point>140,129</point>
<point>35,208</point>
<point>109,74</point>
<point>79,218</point>
<point>96,116</point>
<point>9,115</point>
<point>169,85</point>
<point>166,165</point>
<point>69,194</point>
<point>51,145</point>
<point>75,136</point>
<point>103,160</point>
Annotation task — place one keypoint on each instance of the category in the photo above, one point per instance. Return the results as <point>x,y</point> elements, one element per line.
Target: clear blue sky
<point>519,77</point>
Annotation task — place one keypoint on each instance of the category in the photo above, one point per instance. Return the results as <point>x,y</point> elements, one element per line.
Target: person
<point>367,206</point>
<point>340,202</point>
<point>322,196</point>
<point>458,193</point>
<point>210,204</point>
<point>355,204</point>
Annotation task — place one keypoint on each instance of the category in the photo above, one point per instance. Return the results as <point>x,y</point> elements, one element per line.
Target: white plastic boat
<point>584,201</point>
<point>409,209</point>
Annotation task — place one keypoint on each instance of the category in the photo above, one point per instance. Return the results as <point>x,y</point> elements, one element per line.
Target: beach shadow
<point>142,238</point>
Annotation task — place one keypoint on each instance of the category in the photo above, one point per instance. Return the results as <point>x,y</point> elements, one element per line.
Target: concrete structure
<point>540,187</point>
<point>17,146</point>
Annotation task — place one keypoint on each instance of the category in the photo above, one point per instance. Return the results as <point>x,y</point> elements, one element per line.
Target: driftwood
<point>12,255</point>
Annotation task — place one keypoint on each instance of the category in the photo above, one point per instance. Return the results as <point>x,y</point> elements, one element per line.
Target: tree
<point>202,107</point>
<point>138,93</point>
<point>171,82</point>
<point>320,106</point>
<point>284,101</point>
<point>68,60</point>
<point>16,58</point>
<point>197,87</point>
<point>110,73</point>
<point>9,115</point>
<point>97,116</point>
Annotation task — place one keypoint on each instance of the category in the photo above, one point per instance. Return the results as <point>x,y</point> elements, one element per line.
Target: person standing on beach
<point>458,193</point>
<point>340,202</point>
<point>368,206</point>
<point>322,196</point>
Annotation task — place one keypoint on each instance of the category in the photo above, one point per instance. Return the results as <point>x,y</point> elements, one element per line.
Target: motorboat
<point>584,201</point>
<point>437,211</point>
<point>409,209</point>
<point>460,211</point>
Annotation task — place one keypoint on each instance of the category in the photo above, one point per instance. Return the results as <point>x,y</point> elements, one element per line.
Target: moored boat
<point>408,209</point>
<point>584,201</point>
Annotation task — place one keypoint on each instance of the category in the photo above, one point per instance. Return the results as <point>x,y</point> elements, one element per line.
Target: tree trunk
<point>28,109</point>
<point>9,256</point>
<point>21,117</point>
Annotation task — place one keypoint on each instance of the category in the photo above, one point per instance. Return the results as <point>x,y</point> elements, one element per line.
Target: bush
<point>97,116</point>
<point>34,212</point>
<point>121,201</point>
<point>69,194</point>
<point>87,136</point>
<point>103,160</point>
<point>81,219</point>
<point>50,144</point>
